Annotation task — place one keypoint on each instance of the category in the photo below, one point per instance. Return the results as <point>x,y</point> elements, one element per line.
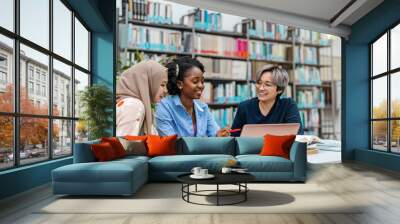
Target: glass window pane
<point>6,142</point>
<point>81,131</point>
<point>81,81</point>
<point>81,45</point>
<point>35,21</point>
<point>395,94</point>
<point>395,47</point>
<point>7,14</point>
<point>379,135</point>
<point>379,98</point>
<point>379,55</point>
<point>62,29</point>
<point>62,89</point>
<point>34,97</point>
<point>33,139</point>
<point>6,74</point>
<point>62,138</point>
<point>395,136</point>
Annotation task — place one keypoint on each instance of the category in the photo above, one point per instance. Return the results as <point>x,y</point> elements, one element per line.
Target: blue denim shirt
<point>172,118</point>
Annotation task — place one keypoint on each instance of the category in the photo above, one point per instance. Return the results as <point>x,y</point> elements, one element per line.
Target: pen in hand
<point>235,130</point>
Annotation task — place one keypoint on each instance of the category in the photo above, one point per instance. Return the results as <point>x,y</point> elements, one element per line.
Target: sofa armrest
<point>298,155</point>
<point>83,152</point>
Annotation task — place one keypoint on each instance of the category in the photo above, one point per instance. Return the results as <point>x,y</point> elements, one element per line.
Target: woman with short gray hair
<point>268,107</point>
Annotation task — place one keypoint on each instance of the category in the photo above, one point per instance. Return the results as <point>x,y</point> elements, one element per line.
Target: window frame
<point>16,114</point>
<point>388,74</point>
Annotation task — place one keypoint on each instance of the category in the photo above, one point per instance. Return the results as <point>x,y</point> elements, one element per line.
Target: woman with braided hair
<point>181,112</point>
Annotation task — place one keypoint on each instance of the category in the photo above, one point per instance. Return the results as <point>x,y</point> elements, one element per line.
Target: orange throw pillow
<point>277,145</point>
<point>161,145</point>
<point>116,145</point>
<point>103,152</point>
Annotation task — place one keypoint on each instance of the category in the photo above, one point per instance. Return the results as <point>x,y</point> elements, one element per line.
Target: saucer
<point>208,176</point>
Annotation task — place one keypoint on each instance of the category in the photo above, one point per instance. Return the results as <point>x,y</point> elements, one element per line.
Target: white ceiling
<point>315,15</point>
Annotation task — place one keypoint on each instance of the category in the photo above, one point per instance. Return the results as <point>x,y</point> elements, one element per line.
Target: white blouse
<point>130,117</point>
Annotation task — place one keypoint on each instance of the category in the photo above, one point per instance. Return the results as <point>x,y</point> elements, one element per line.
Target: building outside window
<point>30,87</point>
<point>57,133</point>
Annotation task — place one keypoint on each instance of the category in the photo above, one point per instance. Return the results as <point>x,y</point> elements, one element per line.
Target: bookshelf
<point>231,58</point>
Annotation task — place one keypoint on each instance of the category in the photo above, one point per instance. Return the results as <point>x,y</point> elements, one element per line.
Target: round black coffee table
<point>238,179</point>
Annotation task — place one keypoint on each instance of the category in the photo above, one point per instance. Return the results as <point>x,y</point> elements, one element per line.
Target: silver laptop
<point>259,130</point>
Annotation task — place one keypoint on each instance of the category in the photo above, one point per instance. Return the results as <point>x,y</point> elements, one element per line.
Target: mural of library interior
<point>211,111</point>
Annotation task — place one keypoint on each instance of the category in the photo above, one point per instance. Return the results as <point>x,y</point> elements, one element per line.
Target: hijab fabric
<point>142,81</point>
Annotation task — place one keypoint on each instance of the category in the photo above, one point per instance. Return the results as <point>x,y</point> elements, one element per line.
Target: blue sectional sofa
<point>125,176</point>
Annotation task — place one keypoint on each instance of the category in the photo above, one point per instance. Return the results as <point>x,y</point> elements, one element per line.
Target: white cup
<point>203,172</point>
<point>196,171</point>
<point>226,170</point>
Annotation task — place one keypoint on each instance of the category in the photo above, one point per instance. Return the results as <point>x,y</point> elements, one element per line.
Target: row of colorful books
<point>308,36</point>
<point>224,68</point>
<point>203,19</point>
<point>310,118</point>
<point>304,75</point>
<point>151,38</point>
<point>144,10</point>
<point>215,45</point>
<point>258,28</point>
<point>302,54</point>
<point>231,92</point>
<point>171,40</point>
<point>158,12</point>
<point>268,51</point>
<point>310,98</point>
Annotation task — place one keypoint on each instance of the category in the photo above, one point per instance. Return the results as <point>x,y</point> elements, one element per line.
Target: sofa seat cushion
<point>185,163</point>
<point>257,163</point>
<point>113,171</point>
<point>133,158</point>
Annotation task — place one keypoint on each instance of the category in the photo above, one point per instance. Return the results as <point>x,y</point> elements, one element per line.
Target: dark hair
<point>177,70</point>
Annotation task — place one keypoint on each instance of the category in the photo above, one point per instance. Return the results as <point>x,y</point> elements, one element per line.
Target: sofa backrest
<point>206,145</point>
<point>83,152</point>
<point>249,145</point>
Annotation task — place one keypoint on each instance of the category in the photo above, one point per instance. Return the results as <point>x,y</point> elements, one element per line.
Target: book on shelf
<point>313,98</point>
<point>224,117</point>
<point>203,19</point>
<point>224,68</point>
<point>141,37</point>
<point>159,12</point>
<point>263,29</point>
<point>307,36</point>
<point>305,75</point>
<point>144,10</point>
<point>215,45</point>
<point>268,51</point>
<point>303,54</point>
<point>310,119</point>
<point>223,93</point>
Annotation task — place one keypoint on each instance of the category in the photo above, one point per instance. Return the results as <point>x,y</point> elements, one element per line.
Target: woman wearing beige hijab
<point>138,88</point>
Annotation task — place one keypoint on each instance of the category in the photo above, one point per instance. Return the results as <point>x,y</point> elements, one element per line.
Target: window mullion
<point>73,82</point>
<point>50,81</point>
<point>389,106</point>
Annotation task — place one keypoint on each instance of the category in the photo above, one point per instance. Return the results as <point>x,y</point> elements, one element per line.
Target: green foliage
<point>97,103</point>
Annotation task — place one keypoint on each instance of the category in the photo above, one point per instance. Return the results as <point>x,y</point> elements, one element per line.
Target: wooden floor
<point>378,188</point>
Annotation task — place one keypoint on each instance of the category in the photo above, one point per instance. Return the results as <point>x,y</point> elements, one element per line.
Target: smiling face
<point>162,90</point>
<point>192,85</point>
<point>266,90</point>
